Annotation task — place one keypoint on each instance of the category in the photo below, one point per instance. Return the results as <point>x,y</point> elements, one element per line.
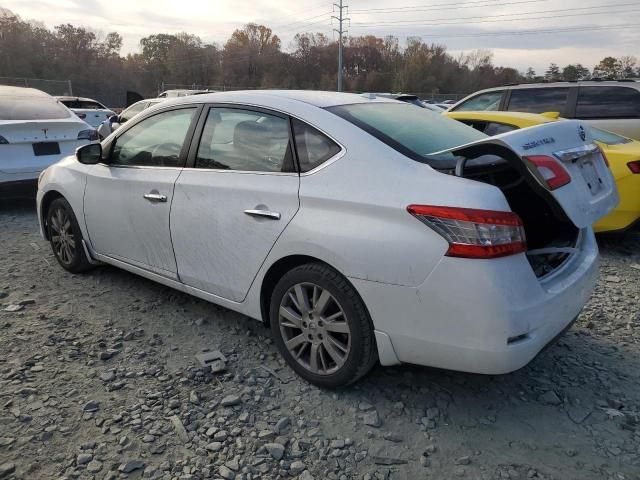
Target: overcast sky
<point>599,28</point>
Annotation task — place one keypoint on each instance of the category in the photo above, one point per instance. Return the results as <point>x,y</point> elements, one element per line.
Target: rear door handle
<point>155,197</point>
<point>263,213</point>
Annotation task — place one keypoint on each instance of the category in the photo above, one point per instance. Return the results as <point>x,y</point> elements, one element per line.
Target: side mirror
<point>114,119</point>
<point>89,154</point>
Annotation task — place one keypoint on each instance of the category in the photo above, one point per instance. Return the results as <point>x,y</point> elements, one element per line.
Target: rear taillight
<point>90,134</point>
<point>553,173</point>
<point>474,233</point>
<point>3,141</point>
<point>633,166</point>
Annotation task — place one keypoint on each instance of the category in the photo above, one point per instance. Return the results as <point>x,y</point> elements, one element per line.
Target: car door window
<point>313,147</point>
<point>131,111</point>
<point>608,102</point>
<point>156,141</point>
<point>484,101</point>
<point>245,140</point>
<point>538,100</point>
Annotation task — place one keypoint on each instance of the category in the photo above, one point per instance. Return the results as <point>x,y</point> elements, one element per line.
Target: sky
<point>521,33</point>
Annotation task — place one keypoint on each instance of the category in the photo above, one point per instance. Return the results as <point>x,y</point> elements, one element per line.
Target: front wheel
<point>65,237</point>
<point>321,326</point>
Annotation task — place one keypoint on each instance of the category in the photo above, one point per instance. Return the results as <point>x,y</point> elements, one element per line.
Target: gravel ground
<point>98,379</point>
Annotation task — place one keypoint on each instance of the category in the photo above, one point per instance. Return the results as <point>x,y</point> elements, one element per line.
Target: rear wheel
<point>321,326</point>
<point>65,237</point>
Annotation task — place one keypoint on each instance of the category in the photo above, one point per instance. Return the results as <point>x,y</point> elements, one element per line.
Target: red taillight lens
<point>633,166</point>
<point>90,134</point>
<point>553,173</point>
<point>474,233</point>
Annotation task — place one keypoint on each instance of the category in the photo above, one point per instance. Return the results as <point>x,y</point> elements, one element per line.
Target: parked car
<point>412,99</point>
<point>358,228</point>
<point>182,93</point>
<point>87,109</point>
<point>622,153</point>
<point>114,121</point>
<point>610,105</point>
<point>35,131</point>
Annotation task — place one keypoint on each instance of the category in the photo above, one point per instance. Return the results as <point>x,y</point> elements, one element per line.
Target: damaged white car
<point>361,229</point>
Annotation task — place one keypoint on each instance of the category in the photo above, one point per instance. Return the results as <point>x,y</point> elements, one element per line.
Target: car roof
<point>316,98</point>
<point>10,91</point>
<point>585,83</point>
<point>520,119</point>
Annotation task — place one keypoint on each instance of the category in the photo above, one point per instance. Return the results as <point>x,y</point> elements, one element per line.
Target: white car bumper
<point>481,316</point>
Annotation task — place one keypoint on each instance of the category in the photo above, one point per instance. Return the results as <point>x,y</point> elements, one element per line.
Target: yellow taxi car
<point>622,153</point>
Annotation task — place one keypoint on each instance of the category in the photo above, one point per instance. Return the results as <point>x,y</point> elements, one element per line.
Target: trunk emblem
<point>581,133</point>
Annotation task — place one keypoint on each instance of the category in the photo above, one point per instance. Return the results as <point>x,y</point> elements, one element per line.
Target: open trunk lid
<point>590,192</point>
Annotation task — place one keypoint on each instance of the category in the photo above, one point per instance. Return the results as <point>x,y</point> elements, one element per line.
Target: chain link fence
<point>52,87</point>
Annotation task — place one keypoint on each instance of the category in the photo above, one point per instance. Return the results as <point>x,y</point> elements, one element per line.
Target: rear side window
<point>31,108</point>
<point>484,101</point>
<point>608,102</point>
<point>245,140</point>
<point>607,137</point>
<point>538,100</point>
<point>313,147</point>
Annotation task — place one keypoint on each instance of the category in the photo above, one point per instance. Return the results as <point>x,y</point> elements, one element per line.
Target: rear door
<point>590,193</point>
<point>234,201</point>
<point>127,200</point>
<point>611,107</point>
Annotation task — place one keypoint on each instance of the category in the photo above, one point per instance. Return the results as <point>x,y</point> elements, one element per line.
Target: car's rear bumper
<point>481,316</point>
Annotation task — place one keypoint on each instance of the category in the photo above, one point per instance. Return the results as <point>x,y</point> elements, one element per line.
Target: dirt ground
<point>98,380</point>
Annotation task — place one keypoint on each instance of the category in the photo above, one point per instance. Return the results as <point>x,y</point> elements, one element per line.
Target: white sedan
<point>35,131</point>
<point>87,109</point>
<point>359,228</point>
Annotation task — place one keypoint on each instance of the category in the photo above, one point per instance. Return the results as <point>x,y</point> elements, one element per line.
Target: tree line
<point>253,57</point>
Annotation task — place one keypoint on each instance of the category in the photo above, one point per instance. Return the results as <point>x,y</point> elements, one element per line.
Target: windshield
<point>607,137</point>
<point>31,108</point>
<point>414,132</point>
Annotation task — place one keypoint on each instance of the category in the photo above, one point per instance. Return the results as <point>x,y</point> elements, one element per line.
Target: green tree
<point>609,67</point>
<point>553,73</point>
<point>576,72</point>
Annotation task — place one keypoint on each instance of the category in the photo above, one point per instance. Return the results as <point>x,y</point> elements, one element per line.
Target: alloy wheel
<point>62,237</point>
<point>314,328</point>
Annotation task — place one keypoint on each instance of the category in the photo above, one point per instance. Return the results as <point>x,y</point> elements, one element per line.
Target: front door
<point>229,209</point>
<point>128,200</point>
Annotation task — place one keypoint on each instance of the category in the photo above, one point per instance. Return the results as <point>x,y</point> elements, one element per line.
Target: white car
<point>87,109</point>
<point>114,121</point>
<point>35,131</point>
<point>358,228</point>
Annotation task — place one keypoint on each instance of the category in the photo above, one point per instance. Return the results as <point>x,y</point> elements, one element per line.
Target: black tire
<point>72,258</point>
<point>362,352</point>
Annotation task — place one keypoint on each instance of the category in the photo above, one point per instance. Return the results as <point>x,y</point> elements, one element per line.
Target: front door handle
<point>263,213</point>
<point>155,197</point>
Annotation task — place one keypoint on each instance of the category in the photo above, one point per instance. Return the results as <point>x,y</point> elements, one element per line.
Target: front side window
<point>131,111</point>
<point>313,147</point>
<point>154,142</point>
<point>245,140</point>
<point>484,101</point>
<point>538,100</point>
<point>608,102</point>
<point>414,132</point>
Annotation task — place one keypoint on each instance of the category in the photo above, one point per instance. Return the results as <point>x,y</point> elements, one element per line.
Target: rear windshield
<point>414,132</point>
<point>31,108</point>
<point>84,104</point>
<point>609,138</point>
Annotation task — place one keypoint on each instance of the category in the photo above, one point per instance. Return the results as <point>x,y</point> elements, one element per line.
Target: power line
<point>443,21</point>
<point>446,6</point>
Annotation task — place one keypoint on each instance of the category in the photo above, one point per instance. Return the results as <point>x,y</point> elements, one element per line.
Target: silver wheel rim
<point>62,237</point>
<point>314,328</point>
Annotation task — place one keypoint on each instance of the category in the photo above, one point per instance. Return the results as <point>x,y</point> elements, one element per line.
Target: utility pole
<point>341,19</point>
